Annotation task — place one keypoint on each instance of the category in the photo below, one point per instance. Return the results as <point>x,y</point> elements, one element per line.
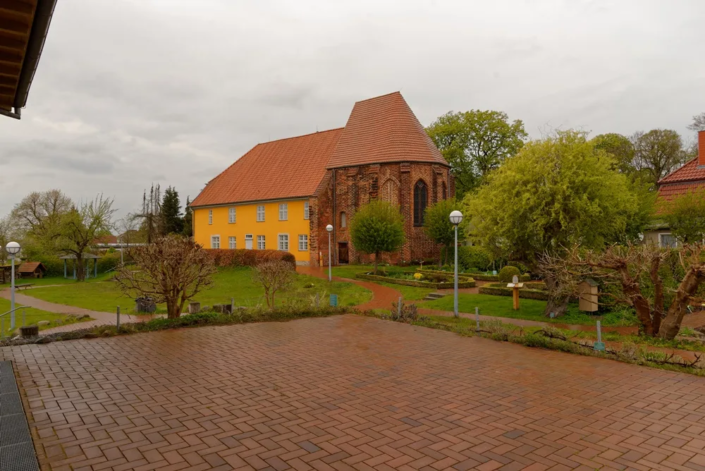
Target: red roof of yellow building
<point>287,168</point>
<point>379,130</point>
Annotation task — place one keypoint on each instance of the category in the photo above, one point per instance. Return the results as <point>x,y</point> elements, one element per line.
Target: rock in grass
<point>43,340</point>
<point>43,323</point>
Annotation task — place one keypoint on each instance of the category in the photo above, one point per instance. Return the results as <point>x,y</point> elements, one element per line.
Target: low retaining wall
<point>463,281</point>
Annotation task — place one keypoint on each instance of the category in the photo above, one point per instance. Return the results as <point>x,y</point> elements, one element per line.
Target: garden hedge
<point>463,281</point>
<point>248,258</point>
<point>497,289</point>
<point>475,276</point>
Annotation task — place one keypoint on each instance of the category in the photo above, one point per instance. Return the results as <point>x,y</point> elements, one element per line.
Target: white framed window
<point>306,210</point>
<point>248,241</point>
<point>210,216</point>
<point>232,243</point>
<point>283,211</point>
<point>232,216</point>
<point>260,213</point>
<point>667,241</point>
<point>284,242</point>
<point>215,241</point>
<point>261,243</point>
<point>303,243</point>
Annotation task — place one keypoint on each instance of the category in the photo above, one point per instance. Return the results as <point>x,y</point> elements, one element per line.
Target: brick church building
<point>291,189</point>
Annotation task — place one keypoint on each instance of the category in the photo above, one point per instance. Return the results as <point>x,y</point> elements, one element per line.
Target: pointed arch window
<point>420,202</point>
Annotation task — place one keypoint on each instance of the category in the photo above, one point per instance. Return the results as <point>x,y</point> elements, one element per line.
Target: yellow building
<point>260,225</point>
<point>262,201</point>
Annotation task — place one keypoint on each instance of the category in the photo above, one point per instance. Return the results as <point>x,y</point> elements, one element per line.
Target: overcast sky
<point>131,92</point>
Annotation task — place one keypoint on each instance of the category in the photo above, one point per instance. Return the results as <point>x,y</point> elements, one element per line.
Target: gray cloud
<point>173,91</point>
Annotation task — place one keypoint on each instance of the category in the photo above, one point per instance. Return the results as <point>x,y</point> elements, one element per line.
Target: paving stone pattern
<point>349,392</point>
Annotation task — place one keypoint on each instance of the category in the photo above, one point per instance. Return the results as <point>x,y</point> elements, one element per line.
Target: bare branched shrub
<point>171,270</point>
<point>658,283</point>
<point>275,275</point>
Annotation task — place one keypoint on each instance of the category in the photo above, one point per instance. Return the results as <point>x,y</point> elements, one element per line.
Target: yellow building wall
<point>246,223</point>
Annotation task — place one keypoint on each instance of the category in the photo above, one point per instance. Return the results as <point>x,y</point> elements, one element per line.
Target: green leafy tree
<point>556,191</point>
<point>476,142</point>
<point>439,228</point>
<point>172,223</point>
<point>685,215</point>
<point>376,228</point>
<point>79,229</point>
<point>188,219</point>
<point>657,153</point>
<point>620,147</point>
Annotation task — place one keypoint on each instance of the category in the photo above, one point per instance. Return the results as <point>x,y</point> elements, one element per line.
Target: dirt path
<point>99,318</point>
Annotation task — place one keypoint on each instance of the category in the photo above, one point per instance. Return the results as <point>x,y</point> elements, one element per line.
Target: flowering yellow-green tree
<point>555,192</point>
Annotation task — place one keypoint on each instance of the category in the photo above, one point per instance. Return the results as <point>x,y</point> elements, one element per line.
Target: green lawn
<point>409,293</point>
<point>230,283</point>
<point>32,316</point>
<point>530,309</point>
<point>56,280</point>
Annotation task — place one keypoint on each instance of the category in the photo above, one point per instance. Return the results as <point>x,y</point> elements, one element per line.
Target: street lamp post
<point>12,249</point>
<point>329,228</point>
<point>456,217</point>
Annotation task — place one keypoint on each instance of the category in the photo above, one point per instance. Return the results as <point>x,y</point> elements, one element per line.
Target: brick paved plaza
<point>349,393</point>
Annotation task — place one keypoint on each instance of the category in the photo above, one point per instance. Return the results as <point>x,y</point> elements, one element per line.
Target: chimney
<point>701,148</point>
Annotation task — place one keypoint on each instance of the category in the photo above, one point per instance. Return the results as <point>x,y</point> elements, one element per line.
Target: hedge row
<point>495,290</point>
<point>463,281</point>
<point>248,258</point>
<point>476,276</point>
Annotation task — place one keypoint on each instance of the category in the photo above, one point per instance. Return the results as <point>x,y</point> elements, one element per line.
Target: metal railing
<point>2,320</point>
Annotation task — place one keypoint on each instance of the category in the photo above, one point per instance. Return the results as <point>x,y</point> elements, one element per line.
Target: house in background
<point>32,270</point>
<point>281,195</point>
<point>687,178</point>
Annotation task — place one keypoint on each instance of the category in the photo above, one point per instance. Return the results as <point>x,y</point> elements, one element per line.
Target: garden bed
<point>463,281</point>
<point>500,289</point>
<point>475,276</point>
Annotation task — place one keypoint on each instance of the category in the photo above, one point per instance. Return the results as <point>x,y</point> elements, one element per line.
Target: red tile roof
<point>30,267</point>
<point>384,129</point>
<point>106,239</point>
<point>287,168</point>
<point>673,190</point>
<point>691,171</point>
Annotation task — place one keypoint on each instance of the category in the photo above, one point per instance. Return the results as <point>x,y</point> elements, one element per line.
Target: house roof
<point>23,28</point>
<point>667,192</point>
<point>106,239</point>
<point>286,168</point>
<point>30,267</point>
<point>384,129</point>
<point>690,171</point>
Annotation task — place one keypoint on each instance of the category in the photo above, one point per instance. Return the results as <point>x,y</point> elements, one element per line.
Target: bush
<point>248,258</point>
<point>470,257</point>
<point>507,273</point>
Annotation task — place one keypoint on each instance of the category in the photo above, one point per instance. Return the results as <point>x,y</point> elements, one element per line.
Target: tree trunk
<point>80,268</point>
<point>173,309</point>
<point>376,261</point>
<point>443,255</point>
<point>558,305</point>
<point>672,323</point>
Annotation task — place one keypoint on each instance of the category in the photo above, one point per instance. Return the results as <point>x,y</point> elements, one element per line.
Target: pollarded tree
<point>376,228</point>
<point>658,283</point>
<point>685,216</point>
<point>555,192</point>
<point>438,226</point>
<point>172,270</point>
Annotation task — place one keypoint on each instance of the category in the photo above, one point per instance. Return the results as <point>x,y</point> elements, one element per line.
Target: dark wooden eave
<point>23,28</point>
